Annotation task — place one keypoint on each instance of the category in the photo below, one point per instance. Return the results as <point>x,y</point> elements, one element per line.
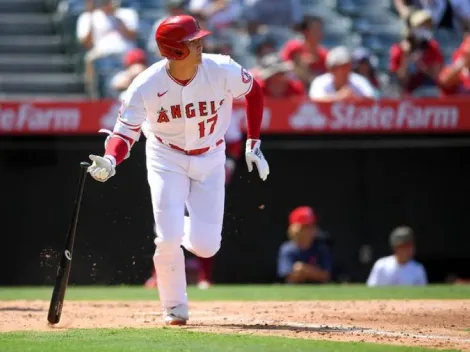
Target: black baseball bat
<point>63,270</point>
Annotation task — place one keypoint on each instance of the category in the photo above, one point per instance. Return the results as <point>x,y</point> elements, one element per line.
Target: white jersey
<point>193,116</point>
<point>323,86</point>
<point>387,271</point>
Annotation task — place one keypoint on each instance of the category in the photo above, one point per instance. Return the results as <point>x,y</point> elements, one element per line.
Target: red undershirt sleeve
<point>118,148</point>
<point>254,110</point>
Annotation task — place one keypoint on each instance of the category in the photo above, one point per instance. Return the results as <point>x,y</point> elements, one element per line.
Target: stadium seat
<point>318,3</point>
<point>380,43</point>
<point>39,63</point>
<point>359,7</point>
<point>378,23</point>
<point>22,6</point>
<point>332,39</point>
<point>26,23</point>
<point>58,83</point>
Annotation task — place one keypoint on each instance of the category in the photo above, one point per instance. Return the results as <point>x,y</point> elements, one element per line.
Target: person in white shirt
<point>398,269</point>
<point>340,82</point>
<point>105,29</point>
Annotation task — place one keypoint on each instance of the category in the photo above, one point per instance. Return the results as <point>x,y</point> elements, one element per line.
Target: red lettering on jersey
<point>202,108</point>
<point>221,102</point>
<point>213,110</point>
<point>190,111</point>
<point>162,116</point>
<point>176,111</point>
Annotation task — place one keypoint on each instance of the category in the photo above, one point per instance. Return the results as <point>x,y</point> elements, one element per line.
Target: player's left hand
<point>253,155</point>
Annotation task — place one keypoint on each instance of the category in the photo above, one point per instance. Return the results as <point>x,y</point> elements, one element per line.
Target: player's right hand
<point>102,168</point>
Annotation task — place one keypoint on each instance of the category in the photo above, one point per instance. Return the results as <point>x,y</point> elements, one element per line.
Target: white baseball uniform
<point>185,154</point>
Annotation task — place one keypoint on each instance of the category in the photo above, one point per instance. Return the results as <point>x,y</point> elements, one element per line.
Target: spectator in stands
<point>455,78</point>
<point>175,8</point>
<point>273,75</point>
<point>449,14</point>
<point>417,60</point>
<point>135,62</point>
<point>442,14</point>
<point>363,64</point>
<point>399,268</point>
<point>304,258</point>
<point>285,13</point>
<point>218,14</point>
<point>105,29</point>
<point>307,54</point>
<point>340,83</point>
<point>262,45</point>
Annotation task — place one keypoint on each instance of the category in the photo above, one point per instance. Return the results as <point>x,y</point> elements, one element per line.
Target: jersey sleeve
<point>239,81</point>
<point>131,114</point>
<point>375,275</point>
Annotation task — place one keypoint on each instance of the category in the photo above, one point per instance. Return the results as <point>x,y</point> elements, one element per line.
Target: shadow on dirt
<point>20,309</point>
<point>288,327</point>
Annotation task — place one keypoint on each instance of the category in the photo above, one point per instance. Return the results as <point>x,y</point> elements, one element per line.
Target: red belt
<point>190,152</point>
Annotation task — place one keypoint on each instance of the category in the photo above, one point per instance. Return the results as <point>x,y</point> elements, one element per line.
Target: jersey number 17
<point>203,124</point>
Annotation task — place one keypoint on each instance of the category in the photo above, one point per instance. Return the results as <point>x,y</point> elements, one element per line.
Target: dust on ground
<point>427,323</point>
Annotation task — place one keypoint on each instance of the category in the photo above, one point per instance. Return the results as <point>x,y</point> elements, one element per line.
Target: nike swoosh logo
<point>161,94</point>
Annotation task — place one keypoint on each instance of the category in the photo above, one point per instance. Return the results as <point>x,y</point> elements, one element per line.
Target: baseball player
<point>186,100</point>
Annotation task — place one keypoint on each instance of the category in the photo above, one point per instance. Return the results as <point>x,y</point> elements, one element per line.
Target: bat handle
<point>84,165</point>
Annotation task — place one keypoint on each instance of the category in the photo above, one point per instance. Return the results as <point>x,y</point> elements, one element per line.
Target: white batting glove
<point>253,155</point>
<point>102,168</point>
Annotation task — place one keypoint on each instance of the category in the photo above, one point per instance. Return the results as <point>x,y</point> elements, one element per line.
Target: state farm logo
<point>405,115</point>
<point>28,117</point>
<point>350,116</point>
<point>308,116</point>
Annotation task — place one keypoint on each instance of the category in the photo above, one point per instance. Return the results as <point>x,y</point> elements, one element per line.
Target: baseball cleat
<point>176,315</point>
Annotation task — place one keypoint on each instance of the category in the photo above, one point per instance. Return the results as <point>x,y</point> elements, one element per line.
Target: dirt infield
<point>440,324</point>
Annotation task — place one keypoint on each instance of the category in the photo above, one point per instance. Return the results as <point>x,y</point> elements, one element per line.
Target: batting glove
<point>253,155</point>
<point>103,167</point>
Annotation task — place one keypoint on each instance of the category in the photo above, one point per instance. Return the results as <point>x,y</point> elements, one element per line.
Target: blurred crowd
<point>326,49</point>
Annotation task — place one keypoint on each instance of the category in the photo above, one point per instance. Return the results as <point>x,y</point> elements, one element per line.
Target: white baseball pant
<point>176,180</point>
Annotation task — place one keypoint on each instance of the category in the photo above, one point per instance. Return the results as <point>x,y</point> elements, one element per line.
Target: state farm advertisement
<point>280,116</point>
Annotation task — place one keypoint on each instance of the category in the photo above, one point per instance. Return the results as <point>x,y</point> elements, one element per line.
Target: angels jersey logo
<point>246,77</point>
<point>163,116</point>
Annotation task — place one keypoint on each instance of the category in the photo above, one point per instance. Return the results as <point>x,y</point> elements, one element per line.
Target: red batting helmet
<point>172,34</point>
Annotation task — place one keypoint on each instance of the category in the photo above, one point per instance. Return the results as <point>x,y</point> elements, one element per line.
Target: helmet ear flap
<point>173,51</point>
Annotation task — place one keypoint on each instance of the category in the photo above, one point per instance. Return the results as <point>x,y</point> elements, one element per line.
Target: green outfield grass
<point>247,293</point>
<point>172,340</point>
